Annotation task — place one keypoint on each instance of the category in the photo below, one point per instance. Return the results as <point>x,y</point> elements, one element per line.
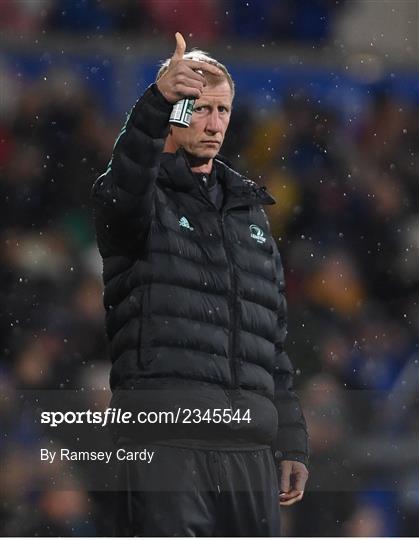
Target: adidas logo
<point>257,233</point>
<point>183,222</point>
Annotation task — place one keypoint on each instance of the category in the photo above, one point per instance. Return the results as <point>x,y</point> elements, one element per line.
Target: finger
<point>180,47</point>
<point>184,81</point>
<point>189,91</point>
<point>284,497</point>
<point>204,66</point>
<point>300,479</point>
<point>289,495</point>
<point>289,502</point>
<point>192,74</point>
<point>285,476</point>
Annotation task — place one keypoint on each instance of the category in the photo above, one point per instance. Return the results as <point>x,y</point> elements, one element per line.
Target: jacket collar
<point>175,172</point>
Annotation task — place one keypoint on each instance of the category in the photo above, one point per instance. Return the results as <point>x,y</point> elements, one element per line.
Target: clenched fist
<point>293,480</point>
<point>181,80</point>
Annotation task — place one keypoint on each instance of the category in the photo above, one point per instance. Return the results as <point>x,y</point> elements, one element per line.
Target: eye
<point>200,108</point>
<point>222,109</point>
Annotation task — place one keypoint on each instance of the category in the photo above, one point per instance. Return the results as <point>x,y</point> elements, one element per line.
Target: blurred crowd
<point>348,231</point>
<point>305,20</point>
<point>347,227</point>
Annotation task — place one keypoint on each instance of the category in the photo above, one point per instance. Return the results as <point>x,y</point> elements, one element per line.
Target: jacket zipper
<point>232,310</point>
<point>231,295</point>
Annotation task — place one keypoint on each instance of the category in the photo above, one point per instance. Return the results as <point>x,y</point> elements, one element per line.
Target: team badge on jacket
<point>183,222</point>
<point>257,233</point>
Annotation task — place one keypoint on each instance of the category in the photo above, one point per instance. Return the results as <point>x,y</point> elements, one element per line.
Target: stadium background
<point>326,115</point>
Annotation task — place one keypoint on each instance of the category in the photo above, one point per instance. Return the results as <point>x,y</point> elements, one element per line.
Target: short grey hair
<point>199,55</point>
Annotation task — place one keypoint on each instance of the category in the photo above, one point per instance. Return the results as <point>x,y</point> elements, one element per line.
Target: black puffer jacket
<point>196,314</point>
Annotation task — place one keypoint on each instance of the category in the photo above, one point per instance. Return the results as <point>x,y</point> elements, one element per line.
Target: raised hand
<point>182,80</point>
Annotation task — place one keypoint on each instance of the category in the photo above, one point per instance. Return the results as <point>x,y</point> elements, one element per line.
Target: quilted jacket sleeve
<point>292,438</point>
<point>126,190</point>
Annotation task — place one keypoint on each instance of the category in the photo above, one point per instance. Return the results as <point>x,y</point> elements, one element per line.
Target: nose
<point>214,122</point>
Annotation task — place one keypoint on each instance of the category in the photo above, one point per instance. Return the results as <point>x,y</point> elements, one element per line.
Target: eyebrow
<point>206,104</point>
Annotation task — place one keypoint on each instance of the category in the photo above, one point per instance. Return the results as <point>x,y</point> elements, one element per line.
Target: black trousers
<point>196,492</point>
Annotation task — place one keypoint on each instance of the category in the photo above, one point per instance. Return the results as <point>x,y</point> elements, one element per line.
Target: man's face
<point>210,119</point>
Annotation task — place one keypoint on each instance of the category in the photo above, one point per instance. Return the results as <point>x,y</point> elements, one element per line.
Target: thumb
<point>180,47</point>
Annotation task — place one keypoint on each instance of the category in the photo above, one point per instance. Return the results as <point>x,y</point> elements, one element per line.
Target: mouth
<point>211,142</point>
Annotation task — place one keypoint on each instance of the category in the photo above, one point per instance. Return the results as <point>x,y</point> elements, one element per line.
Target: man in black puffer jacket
<point>196,318</point>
